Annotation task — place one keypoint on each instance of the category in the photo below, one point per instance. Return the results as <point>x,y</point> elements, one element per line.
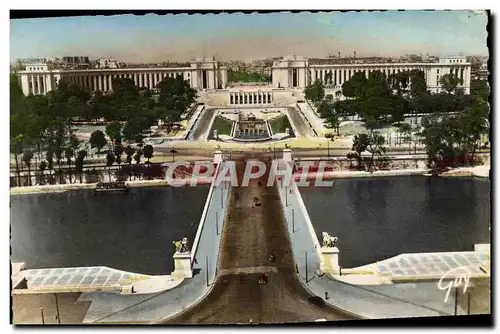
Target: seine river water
<point>377,218</point>
<point>132,232</point>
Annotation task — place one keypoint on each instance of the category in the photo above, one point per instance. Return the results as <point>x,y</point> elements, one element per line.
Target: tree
<point>473,123</point>
<point>79,162</point>
<point>405,130</point>
<point>97,140</point>
<point>480,89</point>
<point>16,148</point>
<point>133,131</point>
<point>148,152</point>
<point>441,136</point>
<point>173,152</point>
<point>137,156</point>
<point>42,166</point>
<point>110,159</point>
<point>49,157</point>
<point>175,96</point>
<point>355,86</point>
<point>27,156</point>
<point>332,111</point>
<point>58,152</point>
<point>113,130</point>
<point>359,145</point>
<point>418,85</point>
<point>315,92</point>
<point>449,82</point>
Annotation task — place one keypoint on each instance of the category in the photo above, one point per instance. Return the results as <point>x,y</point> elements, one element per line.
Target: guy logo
<point>456,281</point>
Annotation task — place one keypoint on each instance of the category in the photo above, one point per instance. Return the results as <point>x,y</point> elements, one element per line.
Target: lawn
<point>222,125</point>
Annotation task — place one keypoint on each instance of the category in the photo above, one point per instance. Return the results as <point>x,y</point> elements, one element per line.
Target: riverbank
<point>55,188</point>
<point>477,171</point>
<point>357,174</point>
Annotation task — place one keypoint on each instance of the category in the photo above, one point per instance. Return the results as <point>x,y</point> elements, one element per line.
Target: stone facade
<point>203,74</point>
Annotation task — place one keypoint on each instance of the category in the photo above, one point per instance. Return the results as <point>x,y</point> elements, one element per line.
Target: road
<point>300,124</point>
<point>250,235</point>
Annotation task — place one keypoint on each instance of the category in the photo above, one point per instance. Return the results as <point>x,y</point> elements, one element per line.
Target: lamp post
<point>306,269</point>
<point>328,149</point>
<point>293,221</point>
<point>217,222</point>
<point>41,312</point>
<point>57,309</point>
<point>286,196</point>
<point>456,300</point>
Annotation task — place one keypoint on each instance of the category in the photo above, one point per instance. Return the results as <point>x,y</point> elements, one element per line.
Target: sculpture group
<point>181,246</point>
<point>329,241</point>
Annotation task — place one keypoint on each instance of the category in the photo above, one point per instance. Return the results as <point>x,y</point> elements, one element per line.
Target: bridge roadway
<point>250,235</point>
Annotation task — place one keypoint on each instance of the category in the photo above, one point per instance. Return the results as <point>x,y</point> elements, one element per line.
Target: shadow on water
<point>317,301</point>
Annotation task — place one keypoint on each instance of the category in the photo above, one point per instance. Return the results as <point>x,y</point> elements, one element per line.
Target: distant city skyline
<point>154,38</point>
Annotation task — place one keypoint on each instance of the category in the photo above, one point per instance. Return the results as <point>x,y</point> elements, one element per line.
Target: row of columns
<point>103,82</point>
<point>250,97</point>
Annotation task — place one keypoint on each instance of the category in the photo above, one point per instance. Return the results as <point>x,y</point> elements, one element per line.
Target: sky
<point>182,37</point>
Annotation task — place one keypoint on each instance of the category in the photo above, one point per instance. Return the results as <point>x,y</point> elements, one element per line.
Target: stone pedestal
<point>329,260</point>
<point>182,266</point>
<point>217,157</point>
<point>287,154</point>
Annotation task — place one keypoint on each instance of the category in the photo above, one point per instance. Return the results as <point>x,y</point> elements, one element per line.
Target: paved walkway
<point>108,307</point>
<point>383,301</point>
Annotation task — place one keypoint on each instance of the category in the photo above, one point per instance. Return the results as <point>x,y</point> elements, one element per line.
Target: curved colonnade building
<point>289,74</point>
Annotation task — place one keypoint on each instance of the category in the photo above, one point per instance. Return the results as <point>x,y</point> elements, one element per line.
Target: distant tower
<point>354,54</point>
<point>339,54</point>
